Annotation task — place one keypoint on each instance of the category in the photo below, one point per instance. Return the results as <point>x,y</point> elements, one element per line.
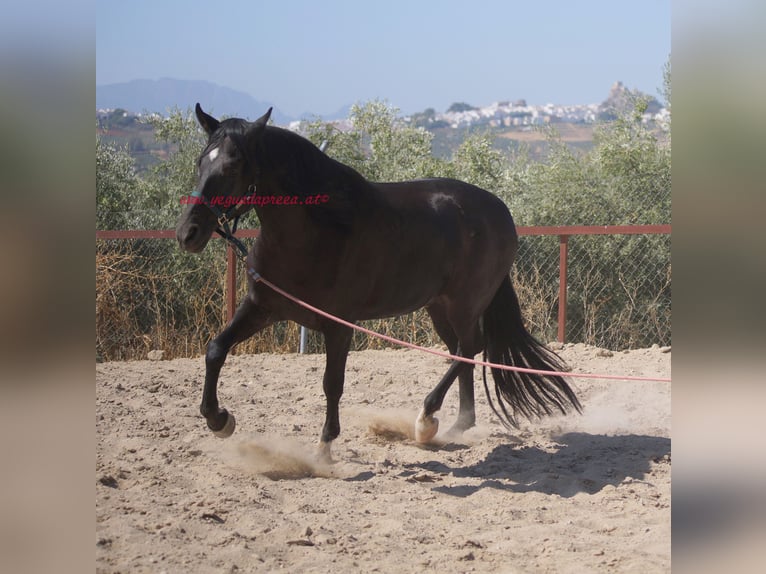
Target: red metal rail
<point>563,232</point>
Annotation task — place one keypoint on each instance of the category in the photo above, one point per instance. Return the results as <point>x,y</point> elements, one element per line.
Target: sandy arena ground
<point>582,493</point>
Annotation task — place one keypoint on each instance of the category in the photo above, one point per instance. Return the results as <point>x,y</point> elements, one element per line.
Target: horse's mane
<point>303,170</point>
<point>300,169</point>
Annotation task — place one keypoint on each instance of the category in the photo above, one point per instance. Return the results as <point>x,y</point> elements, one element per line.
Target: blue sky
<point>317,56</point>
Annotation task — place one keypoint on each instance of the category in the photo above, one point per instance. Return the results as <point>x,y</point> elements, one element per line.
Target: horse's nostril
<point>191,233</point>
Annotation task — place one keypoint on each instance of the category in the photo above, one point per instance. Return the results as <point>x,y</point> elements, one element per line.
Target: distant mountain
<point>159,96</point>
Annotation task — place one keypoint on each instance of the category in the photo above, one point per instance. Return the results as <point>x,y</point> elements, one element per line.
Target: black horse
<point>368,250</point>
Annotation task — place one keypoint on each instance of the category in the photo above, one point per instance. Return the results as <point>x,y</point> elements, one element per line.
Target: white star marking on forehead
<point>213,154</point>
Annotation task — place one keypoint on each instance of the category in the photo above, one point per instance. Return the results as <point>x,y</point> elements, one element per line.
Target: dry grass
<point>144,304</point>
<point>538,298</point>
<point>141,306</point>
<point>114,321</point>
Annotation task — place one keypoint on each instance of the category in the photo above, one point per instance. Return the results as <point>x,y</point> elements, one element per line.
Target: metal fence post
<point>304,337</point>
<point>563,262</point>
<point>231,282</point>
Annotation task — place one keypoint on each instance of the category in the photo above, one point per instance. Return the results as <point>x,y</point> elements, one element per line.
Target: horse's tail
<point>507,342</point>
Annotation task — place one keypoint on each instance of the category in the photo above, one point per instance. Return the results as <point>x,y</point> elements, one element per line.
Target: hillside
<point>512,125</point>
<point>127,131</point>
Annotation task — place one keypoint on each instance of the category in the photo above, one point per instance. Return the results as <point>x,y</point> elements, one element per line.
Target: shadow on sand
<point>579,462</point>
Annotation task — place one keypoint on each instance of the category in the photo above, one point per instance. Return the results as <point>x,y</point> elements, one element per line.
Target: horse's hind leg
<point>426,425</point>
<point>337,343</point>
<point>248,319</point>
<point>466,417</point>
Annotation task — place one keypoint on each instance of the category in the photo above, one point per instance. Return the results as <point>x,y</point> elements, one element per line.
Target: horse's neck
<point>326,202</point>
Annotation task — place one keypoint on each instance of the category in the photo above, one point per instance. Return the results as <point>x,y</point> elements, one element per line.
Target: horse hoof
<point>426,427</point>
<point>228,428</point>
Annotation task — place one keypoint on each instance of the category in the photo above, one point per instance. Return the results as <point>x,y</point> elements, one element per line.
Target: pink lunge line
<point>257,277</point>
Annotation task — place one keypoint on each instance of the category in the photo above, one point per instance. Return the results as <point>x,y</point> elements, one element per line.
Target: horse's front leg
<point>337,344</point>
<point>248,320</point>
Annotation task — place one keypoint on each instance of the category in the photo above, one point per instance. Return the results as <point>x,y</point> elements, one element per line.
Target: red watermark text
<point>259,200</point>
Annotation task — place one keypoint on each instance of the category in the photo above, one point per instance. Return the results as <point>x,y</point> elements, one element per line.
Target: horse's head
<point>226,171</point>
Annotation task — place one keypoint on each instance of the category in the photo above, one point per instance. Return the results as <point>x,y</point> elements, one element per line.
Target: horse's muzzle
<point>191,239</point>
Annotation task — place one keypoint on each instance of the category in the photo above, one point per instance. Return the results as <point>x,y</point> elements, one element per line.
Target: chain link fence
<point>151,296</point>
<point>618,289</point>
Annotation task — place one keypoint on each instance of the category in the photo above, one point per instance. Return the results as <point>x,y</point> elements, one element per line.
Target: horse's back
<point>450,206</point>
<point>440,193</point>
<point>430,238</point>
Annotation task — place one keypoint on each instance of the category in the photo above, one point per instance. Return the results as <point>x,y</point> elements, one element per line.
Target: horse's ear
<point>208,123</point>
<point>261,122</point>
<point>256,128</point>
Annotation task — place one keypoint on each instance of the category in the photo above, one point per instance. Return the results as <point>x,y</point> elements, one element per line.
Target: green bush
<point>619,286</point>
